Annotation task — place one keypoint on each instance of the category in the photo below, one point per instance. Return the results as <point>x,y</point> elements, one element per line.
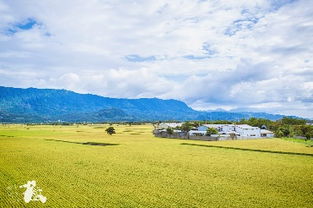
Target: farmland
<point>82,166</point>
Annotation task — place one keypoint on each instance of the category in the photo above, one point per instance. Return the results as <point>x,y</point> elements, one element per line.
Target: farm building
<point>168,125</point>
<point>225,131</point>
<point>247,131</point>
<point>241,131</point>
<point>218,127</point>
<point>266,133</point>
<point>197,133</point>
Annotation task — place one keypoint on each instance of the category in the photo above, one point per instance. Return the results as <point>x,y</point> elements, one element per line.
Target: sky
<point>238,55</point>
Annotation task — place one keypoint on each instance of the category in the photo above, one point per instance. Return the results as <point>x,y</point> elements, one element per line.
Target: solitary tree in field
<point>110,130</point>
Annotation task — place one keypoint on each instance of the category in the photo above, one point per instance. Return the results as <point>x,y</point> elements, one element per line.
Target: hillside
<point>48,105</point>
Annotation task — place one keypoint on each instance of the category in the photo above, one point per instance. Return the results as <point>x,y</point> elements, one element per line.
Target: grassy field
<point>82,166</point>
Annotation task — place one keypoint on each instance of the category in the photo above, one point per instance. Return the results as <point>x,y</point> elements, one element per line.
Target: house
<point>196,133</point>
<point>218,127</point>
<point>266,133</point>
<point>225,131</point>
<point>240,131</point>
<point>202,128</point>
<point>169,125</point>
<point>247,131</point>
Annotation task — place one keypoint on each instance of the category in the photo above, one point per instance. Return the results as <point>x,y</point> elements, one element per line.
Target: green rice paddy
<point>82,166</point>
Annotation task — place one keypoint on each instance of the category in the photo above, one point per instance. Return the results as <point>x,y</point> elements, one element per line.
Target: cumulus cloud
<point>230,54</point>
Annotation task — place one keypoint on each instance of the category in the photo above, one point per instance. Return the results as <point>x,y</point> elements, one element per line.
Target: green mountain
<point>49,105</point>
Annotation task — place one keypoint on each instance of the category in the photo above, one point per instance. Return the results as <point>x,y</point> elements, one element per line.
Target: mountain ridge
<point>49,105</point>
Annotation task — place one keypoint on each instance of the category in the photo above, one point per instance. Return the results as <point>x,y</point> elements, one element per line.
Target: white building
<point>196,133</point>
<point>241,131</point>
<point>247,131</point>
<point>169,125</point>
<point>205,127</point>
<point>266,133</point>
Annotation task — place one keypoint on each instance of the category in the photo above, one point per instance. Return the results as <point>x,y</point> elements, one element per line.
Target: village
<point>211,132</point>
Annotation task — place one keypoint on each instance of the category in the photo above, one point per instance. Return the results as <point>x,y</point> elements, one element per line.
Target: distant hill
<point>49,105</point>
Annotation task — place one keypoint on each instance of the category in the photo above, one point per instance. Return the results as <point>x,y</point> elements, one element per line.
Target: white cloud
<point>211,54</point>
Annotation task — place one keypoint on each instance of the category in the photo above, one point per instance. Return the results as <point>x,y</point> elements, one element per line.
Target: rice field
<point>82,166</point>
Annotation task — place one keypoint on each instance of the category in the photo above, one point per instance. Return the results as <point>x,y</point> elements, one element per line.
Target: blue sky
<point>230,54</point>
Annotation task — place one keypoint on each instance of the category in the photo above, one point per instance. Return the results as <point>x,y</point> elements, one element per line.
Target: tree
<point>233,136</point>
<point>308,136</point>
<point>186,127</point>
<point>293,121</point>
<point>284,131</point>
<point>169,131</point>
<point>211,131</point>
<point>110,130</point>
<point>279,133</point>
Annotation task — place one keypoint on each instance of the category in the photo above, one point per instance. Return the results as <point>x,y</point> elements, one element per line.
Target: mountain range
<point>19,105</point>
